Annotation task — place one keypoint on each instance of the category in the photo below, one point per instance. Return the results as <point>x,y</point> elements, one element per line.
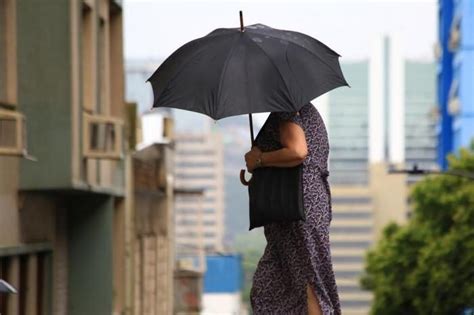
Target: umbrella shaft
<point>251,130</point>
<point>241,21</point>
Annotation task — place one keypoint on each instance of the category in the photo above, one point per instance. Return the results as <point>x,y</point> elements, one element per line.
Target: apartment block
<point>62,149</point>
<point>199,166</point>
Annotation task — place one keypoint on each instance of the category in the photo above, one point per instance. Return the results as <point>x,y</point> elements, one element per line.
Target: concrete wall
<point>90,273</point>
<point>153,231</point>
<point>9,215</point>
<point>389,197</point>
<point>43,43</point>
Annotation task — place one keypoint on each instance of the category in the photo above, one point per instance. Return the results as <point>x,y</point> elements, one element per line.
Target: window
<point>347,259</point>
<point>12,133</point>
<point>3,45</point>
<point>195,164</point>
<point>102,69</point>
<point>194,176</point>
<point>351,215</point>
<point>88,66</point>
<point>351,200</point>
<point>7,53</point>
<point>187,222</point>
<point>115,51</point>
<point>29,273</point>
<point>355,244</point>
<point>102,137</point>
<point>208,210</point>
<point>351,229</point>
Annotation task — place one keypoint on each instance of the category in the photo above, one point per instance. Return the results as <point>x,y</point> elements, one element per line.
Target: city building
<point>199,170</point>
<point>346,113</point>
<point>153,229</point>
<point>63,157</point>
<point>199,165</point>
<point>384,120</point>
<point>402,127</point>
<point>455,55</point>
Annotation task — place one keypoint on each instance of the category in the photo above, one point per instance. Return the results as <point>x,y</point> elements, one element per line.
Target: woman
<point>295,274</point>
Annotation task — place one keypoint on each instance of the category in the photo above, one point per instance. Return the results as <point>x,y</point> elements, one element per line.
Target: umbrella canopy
<point>234,71</point>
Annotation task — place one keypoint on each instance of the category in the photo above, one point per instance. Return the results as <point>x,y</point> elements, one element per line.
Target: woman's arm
<point>293,153</point>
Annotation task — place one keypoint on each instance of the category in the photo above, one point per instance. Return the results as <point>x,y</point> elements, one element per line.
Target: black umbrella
<point>234,71</point>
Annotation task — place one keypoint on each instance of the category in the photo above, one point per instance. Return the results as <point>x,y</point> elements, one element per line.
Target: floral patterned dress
<point>298,253</point>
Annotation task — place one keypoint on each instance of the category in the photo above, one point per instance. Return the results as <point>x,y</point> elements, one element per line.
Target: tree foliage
<point>427,265</point>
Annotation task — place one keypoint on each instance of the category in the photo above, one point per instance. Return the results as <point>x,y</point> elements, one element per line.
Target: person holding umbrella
<point>296,267</point>
<point>234,71</point>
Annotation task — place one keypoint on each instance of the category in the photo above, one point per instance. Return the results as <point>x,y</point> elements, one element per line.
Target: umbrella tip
<point>241,20</point>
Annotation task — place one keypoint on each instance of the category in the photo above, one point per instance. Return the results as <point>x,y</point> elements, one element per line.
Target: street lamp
<point>419,171</point>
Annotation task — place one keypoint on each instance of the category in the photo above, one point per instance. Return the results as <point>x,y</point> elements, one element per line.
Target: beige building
<point>152,226</point>
<point>86,225</point>
<point>383,121</point>
<point>199,218</point>
<point>65,164</point>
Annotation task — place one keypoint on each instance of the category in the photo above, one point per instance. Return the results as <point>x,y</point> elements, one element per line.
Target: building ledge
<point>79,189</point>
<point>25,248</point>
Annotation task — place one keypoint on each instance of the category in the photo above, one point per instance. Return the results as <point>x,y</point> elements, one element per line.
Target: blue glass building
<point>455,76</point>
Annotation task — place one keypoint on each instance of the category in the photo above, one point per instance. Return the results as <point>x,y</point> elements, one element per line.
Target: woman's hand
<point>251,158</point>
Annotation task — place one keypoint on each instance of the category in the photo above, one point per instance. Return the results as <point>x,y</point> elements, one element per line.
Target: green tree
<point>427,265</point>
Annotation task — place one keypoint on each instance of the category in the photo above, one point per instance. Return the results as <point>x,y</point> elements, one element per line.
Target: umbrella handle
<point>243,180</point>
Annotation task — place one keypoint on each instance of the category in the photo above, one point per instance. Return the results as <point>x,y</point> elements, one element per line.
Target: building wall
<point>352,225</point>
<point>420,122</point>
<point>455,77</point>
<point>9,215</point>
<point>90,248</point>
<point>199,165</point>
<point>44,76</point>
<point>351,234</point>
<point>153,230</point>
<point>384,120</point>
<point>59,215</point>
<point>348,128</point>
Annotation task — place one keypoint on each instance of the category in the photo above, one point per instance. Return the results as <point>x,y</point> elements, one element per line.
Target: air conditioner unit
<point>454,39</point>
<point>12,133</point>
<point>455,35</point>
<point>454,106</point>
<point>102,137</point>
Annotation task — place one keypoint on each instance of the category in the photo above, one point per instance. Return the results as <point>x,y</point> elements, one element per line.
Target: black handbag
<point>276,195</point>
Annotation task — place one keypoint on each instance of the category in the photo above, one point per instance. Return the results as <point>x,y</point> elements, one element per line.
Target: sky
<point>155,28</point>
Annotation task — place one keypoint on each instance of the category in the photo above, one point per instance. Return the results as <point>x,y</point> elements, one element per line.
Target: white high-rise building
<point>199,165</point>
<point>382,120</point>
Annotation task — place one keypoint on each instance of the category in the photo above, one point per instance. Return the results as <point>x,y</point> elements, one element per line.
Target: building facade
<point>402,126</point>
<point>385,120</point>
<point>455,53</point>
<point>63,185</point>
<point>199,166</point>
<point>152,223</point>
<point>346,113</point>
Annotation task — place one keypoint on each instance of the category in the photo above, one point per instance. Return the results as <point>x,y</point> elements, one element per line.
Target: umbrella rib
<point>224,70</point>
<point>302,47</point>
<point>274,65</point>
<point>182,65</point>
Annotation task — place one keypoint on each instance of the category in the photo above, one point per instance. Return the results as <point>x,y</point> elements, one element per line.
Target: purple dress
<point>298,253</point>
